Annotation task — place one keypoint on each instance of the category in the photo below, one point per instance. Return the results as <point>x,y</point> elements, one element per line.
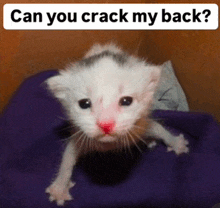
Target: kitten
<point>107,96</point>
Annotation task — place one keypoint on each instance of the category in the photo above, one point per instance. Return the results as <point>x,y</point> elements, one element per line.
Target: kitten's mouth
<point>107,138</point>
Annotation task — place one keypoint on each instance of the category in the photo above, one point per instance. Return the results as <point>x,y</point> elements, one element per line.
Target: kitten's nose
<point>106,127</point>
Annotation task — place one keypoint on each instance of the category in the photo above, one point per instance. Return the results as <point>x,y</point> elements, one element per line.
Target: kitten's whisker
<point>73,135</point>
<point>120,141</point>
<point>138,127</point>
<point>133,140</point>
<point>65,139</point>
<point>88,141</point>
<point>83,141</point>
<point>71,126</point>
<point>96,146</point>
<point>123,138</point>
<point>83,144</point>
<point>118,144</point>
<point>60,117</point>
<point>68,128</point>
<point>134,125</point>
<point>138,47</point>
<point>139,137</point>
<point>157,119</point>
<point>79,139</point>
<point>91,142</point>
<point>128,144</point>
<point>70,137</point>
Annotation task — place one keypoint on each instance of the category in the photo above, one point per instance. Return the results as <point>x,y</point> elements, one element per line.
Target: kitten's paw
<point>59,193</point>
<point>180,145</point>
<point>152,144</point>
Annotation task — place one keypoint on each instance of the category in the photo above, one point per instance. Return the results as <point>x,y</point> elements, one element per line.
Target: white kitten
<point>107,95</point>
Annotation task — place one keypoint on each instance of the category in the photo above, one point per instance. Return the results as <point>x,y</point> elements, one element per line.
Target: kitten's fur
<point>119,89</point>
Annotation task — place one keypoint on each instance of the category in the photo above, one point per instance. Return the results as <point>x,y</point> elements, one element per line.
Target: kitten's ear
<point>155,75</point>
<point>58,86</point>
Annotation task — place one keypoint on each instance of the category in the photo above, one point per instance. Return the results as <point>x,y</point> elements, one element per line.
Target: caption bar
<point>111,16</point>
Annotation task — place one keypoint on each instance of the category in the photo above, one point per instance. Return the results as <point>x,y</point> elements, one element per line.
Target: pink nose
<point>106,127</point>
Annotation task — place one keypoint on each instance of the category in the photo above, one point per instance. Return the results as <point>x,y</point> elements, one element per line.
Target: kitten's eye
<point>125,101</point>
<point>85,103</point>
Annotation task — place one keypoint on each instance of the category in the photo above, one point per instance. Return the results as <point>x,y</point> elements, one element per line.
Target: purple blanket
<point>32,138</point>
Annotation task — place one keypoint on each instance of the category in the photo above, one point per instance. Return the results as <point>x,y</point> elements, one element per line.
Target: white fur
<point>97,48</point>
<point>104,82</point>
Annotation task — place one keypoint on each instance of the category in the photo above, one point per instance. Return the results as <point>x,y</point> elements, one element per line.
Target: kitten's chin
<point>107,139</point>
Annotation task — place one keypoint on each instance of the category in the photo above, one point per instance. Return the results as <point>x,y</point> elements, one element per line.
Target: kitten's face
<point>108,116</point>
<point>107,100</point>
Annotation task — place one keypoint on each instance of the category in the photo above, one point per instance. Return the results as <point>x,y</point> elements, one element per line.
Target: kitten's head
<point>107,94</point>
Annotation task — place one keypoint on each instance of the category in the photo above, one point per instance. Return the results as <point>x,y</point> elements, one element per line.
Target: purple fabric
<point>32,133</point>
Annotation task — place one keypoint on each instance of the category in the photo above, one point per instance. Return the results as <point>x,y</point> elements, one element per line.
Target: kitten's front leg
<point>176,143</point>
<point>59,189</point>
